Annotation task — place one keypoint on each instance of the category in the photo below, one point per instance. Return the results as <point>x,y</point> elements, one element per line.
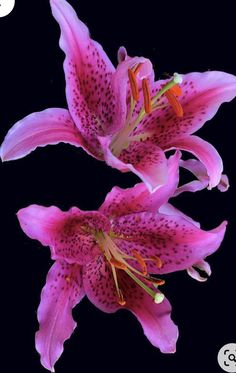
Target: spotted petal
<point>69,234</point>
<point>154,318</point>
<point>125,201</point>
<point>203,93</point>
<point>147,161</point>
<point>175,240</point>
<point>47,127</point>
<point>62,292</point>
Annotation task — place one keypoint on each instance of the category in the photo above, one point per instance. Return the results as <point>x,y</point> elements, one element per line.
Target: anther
<point>157,261</point>
<point>122,302</point>
<point>67,279</point>
<point>146,96</point>
<point>140,261</point>
<point>117,264</point>
<point>133,84</point>
<point>174,103</point>
<point>176,90</point>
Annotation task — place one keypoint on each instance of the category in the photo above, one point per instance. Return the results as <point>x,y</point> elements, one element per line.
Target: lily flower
<point>116,256</point>
<point>122,115</point>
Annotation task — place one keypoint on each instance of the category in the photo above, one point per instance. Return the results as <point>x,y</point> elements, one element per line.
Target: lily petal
<point>175,240</point>
<point>147,161</point>
<point>125,201</point>
<point>168,209</point>
<point>203,266</point>
<point>62,292</point>
<point>47,127</point>
<point>88,73</point>
<point>69,234</point>
<point>154,318</point>
<point>205,152</point>
<point>199,170</point>
<point>203,93</point>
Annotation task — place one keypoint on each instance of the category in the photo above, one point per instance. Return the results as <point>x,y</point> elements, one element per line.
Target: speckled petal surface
<point>154,318</point>
<point>88,73</point>
<point>175,240</point>
<point>62,292</point>
<point>69,234</point>
<point>125,201</point>
<point>203,93</point>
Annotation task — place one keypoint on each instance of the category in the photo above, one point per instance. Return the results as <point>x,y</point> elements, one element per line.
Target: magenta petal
<point>204,267</point>
<point>67,233</point>
<point>206,153</point>
<point>147,161</point>
<point>156,321</point>
<point>40,223</point>
<point>203,93</point>
<point>168,209</point>
<point>125,201</point>
<point>50,126</point>
<point>88,73</point>
<point>154,318</point>
<point>175,240</point>
<point>62,292</point>
<point>99,284</point>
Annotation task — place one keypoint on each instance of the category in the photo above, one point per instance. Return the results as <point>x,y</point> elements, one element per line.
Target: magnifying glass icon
<point>232,357</point>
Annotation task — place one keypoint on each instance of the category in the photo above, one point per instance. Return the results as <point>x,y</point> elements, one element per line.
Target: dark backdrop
<point>176,38</point>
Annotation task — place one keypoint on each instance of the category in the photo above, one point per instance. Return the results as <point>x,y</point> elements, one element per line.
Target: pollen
<point>140,261</point>
<point>118,264</point>
<point>146,96</point>
<point>174,103</point>
<point>157,261</point>
<point>133,84</point>
<point>68,279</point>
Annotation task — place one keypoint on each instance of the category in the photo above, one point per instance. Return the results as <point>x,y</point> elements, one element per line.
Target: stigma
<point>137,271</point>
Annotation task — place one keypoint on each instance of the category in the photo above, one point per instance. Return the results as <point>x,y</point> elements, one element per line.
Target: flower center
<point>171,91</point>
<point>118,261</point>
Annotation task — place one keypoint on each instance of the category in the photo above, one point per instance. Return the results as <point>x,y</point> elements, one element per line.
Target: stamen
<point>155,281</point>
<point>140,261</point>
<point>146,96</point>
<point>133,84</point>
<point>137,69</point>
<point>174,103</point>
<point>176,90</point>
<point>157,261</point>
<point>121,300</point>
<point>117,264</point>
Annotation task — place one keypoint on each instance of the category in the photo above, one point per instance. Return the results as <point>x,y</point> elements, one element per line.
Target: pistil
<point>118,261</point>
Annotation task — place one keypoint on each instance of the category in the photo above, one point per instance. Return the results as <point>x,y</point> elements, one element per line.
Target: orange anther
<point>137,69</point>
<point>133,84</point>
<point>68,279</point>
<point>176,90</point>
<point>117,264</point>
<point>157,261</point>
<point>174,103</point>
<point>140,261</point>
<point>122,302</point>
<point>146,96</point>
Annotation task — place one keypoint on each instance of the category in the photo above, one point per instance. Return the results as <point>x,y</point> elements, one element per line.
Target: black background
<point>175,37</point>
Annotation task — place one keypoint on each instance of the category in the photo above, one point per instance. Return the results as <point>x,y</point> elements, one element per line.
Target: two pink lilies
<point>118,254</point>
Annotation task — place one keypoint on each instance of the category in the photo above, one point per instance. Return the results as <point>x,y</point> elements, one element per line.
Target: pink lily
<point>121,115</point>
<point>109,255</point>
